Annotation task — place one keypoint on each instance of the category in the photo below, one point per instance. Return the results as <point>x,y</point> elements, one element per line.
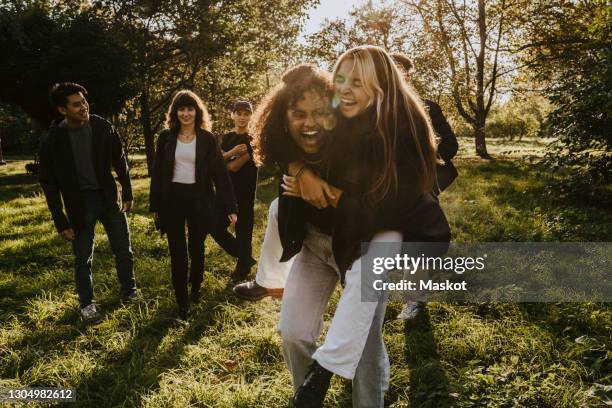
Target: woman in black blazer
<point>187,162</point>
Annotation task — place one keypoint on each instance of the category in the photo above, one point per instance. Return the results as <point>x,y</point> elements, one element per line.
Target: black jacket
<point>210,168</point>
<point>417,215</point>
<point>58,177</point>
<point>447,148</point>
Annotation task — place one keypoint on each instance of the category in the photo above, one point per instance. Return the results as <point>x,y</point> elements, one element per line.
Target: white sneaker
<point>412,310</point>
<point>90,313</point>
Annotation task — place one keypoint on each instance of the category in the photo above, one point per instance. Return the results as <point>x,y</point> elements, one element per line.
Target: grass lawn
<point>523,355</point>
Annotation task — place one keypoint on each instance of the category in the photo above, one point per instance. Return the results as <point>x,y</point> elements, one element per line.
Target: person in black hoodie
<point>75,174</point>
<point>447,147</point>
<point>187,162</point>
<point>380,176</point>
<point>446,172</point>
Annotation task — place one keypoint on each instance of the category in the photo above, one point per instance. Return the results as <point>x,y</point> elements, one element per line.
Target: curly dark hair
<point>188,98</point>
<point>271,140</point>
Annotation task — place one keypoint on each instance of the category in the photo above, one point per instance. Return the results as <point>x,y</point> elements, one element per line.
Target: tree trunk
<point>481,111</point>
<point>1,157</point>
<point>147,130</point>
<point>479,137</point>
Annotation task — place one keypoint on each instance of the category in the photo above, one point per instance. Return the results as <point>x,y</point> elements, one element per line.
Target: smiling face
<point>241,120</point>
<point>186,116</point>
<point>76,109</point>
<point>306,119</point>
<point>349,89</point>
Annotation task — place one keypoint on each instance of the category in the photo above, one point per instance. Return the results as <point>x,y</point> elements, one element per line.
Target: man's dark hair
<point>59,93</point>
<point>403,62</point>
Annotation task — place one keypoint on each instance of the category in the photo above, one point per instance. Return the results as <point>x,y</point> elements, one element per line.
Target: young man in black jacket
<point>446,173</point>
<point>75,174</point>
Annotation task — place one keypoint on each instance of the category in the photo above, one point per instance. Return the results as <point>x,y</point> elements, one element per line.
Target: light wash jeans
<point>353,347</point>
<point>271,273</point>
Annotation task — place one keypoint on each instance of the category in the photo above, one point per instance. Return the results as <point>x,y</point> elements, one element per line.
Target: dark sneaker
<point>183,313</point>
<point>90,313</point>
<point>412,310</point>
<point>194,296</point>
<point>311,393</point>
<point>135,296</point>
<point>253,291</point>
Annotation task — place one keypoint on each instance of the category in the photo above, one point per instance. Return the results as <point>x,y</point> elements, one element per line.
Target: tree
<point>472,35</point>
<point>47,47</point>
<point>387,25</point>
<point>191,44</point>
<point>458,48</point>
<point>569,47</point>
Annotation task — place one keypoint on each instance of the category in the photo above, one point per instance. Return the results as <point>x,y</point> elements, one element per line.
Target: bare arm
<point>237,150</point>
<point>236,164</point>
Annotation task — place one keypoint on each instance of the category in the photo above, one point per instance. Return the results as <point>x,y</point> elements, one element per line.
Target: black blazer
<point>58,178</point>
<point>210,168</point>
<point>447,172</point>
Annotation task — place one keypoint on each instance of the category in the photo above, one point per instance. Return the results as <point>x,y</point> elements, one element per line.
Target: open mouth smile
<point>348,102</point>
<point>311,136</point>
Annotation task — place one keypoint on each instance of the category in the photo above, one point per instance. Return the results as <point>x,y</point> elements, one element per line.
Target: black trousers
<point>184,212</point>
<point>241,245</point>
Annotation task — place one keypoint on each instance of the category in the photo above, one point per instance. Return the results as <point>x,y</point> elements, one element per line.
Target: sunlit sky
<point>330,9</point>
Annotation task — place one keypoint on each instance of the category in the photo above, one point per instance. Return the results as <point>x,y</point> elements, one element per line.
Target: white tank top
<point>184,162</point>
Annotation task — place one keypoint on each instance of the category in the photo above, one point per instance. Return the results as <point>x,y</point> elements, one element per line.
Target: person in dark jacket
<point>381,173</point>
<point>446,172</point>
<point>75,174</point>
<point>447,146</point>
<point>187,162</point>
<point>238,156</point>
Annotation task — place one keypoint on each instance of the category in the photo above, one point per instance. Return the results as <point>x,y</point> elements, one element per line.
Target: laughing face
<point>349,91</point>
<point>76,109</point>
<point>306,120</point>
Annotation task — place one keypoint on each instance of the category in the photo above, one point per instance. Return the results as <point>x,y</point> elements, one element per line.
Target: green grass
<point>498,355</point>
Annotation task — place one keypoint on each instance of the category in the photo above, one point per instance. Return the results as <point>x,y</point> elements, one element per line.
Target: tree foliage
<point>570,47</point>
<point>42,45</point>
<point>222,49</point>
<point>472,35</point>
<point>457,47</point>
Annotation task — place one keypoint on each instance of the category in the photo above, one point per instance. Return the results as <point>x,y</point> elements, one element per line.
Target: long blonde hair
<point>389,93</point>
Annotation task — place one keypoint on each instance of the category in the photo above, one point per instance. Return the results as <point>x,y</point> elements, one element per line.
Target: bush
<point>522,116</point>
<point>16,131</point>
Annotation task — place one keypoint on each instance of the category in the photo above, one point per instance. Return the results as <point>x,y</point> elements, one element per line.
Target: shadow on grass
<point>18,179</point>
<point>125,378</point>
<point>429,385</point>
<point>18,185</point>
<point>25,268</point>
